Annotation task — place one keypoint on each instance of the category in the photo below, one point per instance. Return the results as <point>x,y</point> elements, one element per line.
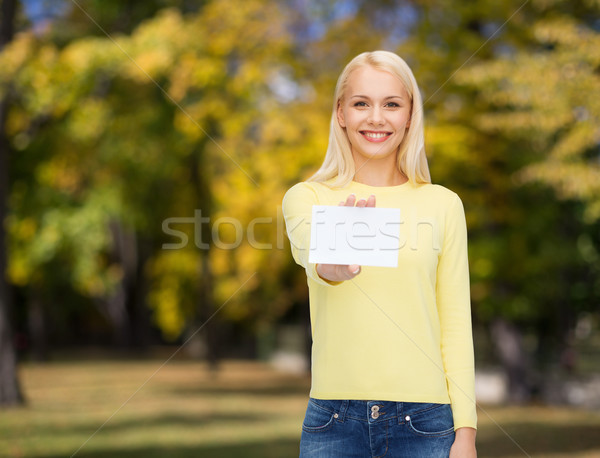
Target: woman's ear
<point>340,115</point>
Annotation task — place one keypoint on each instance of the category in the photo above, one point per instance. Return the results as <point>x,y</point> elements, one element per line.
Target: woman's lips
<point>375,136</point>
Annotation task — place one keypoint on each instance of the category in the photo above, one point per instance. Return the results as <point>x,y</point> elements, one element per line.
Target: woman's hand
<point>464,444</point>
<point>341,272</point>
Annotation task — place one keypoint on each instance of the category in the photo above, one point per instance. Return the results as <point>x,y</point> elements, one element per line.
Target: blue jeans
<point>370,429</point>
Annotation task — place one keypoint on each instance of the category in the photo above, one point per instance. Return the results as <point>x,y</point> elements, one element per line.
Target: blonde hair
<point>411,161</point>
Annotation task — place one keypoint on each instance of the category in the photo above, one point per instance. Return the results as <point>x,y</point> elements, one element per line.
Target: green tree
<point>532,103</point>
<point>221,106</point>
<point>181,114</point>
<point>10,393</point>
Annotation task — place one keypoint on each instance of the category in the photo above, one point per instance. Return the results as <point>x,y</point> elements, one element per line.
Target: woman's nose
<point>375,116</point>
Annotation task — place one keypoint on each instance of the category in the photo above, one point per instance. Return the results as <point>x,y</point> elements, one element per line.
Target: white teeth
<point>375,134</point>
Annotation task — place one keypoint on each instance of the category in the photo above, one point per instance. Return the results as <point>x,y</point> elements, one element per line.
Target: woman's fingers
<point>354,269</point>
<point>337,272</point>
<point>348,272</point>
<point>351,201</point>
<point>345,272</point>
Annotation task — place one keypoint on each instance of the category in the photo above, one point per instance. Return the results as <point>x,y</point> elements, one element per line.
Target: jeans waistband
<point>374,411</point>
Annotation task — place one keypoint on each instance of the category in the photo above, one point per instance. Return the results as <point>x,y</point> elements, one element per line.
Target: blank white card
<point>367,236</point>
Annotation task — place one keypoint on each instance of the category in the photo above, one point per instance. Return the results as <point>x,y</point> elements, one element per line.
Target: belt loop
<point>399,412</point>
<point>343,409</point>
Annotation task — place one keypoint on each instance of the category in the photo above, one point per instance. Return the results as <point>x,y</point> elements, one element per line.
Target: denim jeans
<point>370,429</point>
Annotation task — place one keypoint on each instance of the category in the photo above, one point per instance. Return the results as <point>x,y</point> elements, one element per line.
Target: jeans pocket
<point>319,417</point>
<point>434,421</point>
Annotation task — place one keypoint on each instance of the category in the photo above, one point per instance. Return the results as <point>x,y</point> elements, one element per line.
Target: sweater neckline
<point>356,184</point>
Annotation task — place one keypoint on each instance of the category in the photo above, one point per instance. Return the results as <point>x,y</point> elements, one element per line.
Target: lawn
<point>245,410</point>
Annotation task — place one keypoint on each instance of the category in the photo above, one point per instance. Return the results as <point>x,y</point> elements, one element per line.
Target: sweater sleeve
<point>454,308</point>
<point>297,212</point>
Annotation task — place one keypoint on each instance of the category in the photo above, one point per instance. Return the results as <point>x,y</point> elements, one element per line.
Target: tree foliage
<point>213,111</point>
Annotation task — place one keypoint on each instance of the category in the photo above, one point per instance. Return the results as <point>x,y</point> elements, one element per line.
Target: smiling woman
<point>392,355</point>
<point>379,92</point>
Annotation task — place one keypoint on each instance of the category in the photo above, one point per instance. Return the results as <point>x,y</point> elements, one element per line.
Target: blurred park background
<point>149,303</point>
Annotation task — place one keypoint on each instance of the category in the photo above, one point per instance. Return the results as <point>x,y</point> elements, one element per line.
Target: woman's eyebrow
<point>359,96</point>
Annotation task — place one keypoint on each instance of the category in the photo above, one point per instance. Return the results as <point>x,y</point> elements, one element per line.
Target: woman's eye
<point>360,104</point>
<point>392,105</point>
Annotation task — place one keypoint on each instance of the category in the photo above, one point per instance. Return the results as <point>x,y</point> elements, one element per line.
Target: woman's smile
<point>375,136</point>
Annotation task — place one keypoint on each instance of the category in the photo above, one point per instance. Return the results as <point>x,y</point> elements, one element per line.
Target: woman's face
<point>375,111</point>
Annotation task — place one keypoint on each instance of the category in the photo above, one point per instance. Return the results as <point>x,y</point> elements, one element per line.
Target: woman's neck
<point>378,172</point>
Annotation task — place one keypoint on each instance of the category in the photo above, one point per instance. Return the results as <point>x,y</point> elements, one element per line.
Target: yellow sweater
<point>395,334</point>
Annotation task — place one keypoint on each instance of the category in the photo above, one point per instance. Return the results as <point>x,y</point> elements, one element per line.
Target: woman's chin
<point>374,155</point>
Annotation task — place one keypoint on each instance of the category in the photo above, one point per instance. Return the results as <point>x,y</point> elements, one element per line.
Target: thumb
<point>354,269</point>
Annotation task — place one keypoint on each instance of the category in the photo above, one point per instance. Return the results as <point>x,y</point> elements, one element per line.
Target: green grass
<point>244,410</point>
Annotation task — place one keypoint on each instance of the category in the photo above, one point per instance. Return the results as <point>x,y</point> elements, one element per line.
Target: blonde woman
<point>392,354</point>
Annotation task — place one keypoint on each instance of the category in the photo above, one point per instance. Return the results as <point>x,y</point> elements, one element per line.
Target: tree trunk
<point>134,325</point>
<point>124,253</point>
<point>117,307</point>
<point>37,322</point>
<point>206,306</point>
<point>141,318</point>
<point>10,392</point>
<point>7,26</point>
<point>206,303</point>
<point>509,347</point>
<point>116,311</point>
